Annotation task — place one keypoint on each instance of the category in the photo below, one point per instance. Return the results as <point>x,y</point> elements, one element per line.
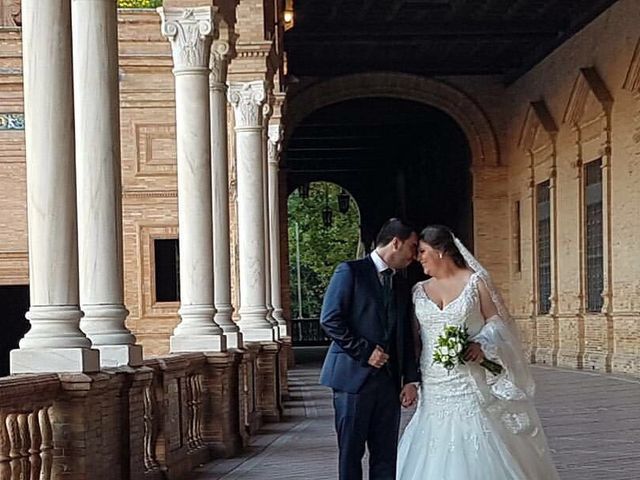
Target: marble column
<point>190,32</point>
<point>55,342</point>
<point>268,111</point>
<point>273,146</point>
<point>96,100</point>
<point>220,188</point>
<point>247,100</point>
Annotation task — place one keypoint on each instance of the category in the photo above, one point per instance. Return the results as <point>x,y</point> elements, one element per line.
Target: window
<point>543,246</point>
<point>593,233</point>
<point>167,269</point>
<point>517,237</point>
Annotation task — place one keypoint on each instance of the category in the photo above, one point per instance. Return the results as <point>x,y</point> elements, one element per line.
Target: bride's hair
<point>441,238</point>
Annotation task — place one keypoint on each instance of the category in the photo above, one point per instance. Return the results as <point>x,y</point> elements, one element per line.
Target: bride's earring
<point>440,255</point>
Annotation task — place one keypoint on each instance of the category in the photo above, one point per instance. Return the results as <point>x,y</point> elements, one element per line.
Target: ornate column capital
<point>190,31</point>
<point>219,62</point>
<point>247,100</point>
<point>274,142</point>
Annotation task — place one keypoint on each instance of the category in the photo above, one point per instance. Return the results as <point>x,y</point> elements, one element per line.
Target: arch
<point>457,104</point>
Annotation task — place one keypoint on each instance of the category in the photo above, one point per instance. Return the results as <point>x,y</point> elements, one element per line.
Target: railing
<point>308,332</point>
<point>72,426</point>
<point>25,426</point>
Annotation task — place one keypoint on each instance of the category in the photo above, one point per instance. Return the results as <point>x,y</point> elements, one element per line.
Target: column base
<point>197,343</point>
<point>119,355</point>
<point>258,335</point>
<point>283,330</point>
<point>55,360</point>
<point>276,332</point>
<point>234,339</point>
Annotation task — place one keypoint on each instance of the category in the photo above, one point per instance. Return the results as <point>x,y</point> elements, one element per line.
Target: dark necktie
<point>387,296</point>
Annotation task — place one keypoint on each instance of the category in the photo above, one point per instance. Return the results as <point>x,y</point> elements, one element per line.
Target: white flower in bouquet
<point>451,346</point>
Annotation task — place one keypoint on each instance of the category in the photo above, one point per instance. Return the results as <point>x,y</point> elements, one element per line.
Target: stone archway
<point>490,215</point>
<point>436,93</point>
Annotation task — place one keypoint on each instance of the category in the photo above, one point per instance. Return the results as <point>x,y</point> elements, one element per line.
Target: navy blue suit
<point>366,399</point>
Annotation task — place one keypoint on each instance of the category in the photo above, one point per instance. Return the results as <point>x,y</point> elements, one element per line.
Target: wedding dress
<point>469,425</point>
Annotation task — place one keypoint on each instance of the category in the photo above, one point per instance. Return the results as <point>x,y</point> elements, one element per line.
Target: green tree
<point>321,248</point>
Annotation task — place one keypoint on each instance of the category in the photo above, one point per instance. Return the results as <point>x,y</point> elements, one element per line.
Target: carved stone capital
<point>220,53</point>
<point>190,31</point>
<point>274,142</point>
<point>10,13</point>
<point>275,133</point>
<point>247,100</point>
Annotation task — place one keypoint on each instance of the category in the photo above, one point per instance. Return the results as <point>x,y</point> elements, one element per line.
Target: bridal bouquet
<point>450,349</point>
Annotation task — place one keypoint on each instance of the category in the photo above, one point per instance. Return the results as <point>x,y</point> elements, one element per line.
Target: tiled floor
<point>592,421</point>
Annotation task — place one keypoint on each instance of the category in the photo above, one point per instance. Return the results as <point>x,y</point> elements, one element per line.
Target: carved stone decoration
<point>150,462</point>
<point>194,406</point>
<point>274,142</point>
<point>247,100</point>
<point>191,408</point>
<point>35,442</point>
<point>23,431</point>
<point>632,84</point>
<point>632,80</point>
<point>190,32</point>
<point>15,441</point>
<point>588,82</point>
<point>5,441</point>
<point>46,431</point>
<point>46,447</point>
<point>199,384</point>
<point>220,53</point>
<point>11,121</point>
<point>538,115</point>
<point>10,14</point>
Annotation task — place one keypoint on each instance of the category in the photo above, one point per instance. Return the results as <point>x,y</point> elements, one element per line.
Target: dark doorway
<point>396,157</point>
<point>14,304</point>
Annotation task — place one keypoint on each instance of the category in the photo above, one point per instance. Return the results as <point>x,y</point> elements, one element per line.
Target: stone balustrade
<point>157,421</point>
<point>25,426</point>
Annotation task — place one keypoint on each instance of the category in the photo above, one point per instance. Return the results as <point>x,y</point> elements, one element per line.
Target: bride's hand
<point>473,353</point>
<point>408,395</point>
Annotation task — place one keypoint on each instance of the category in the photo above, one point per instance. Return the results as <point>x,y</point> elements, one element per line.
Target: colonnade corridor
<point>592,421</point>
<point>148,148</point>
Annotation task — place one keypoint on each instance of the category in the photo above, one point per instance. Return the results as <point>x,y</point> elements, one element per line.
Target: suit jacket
<point>353,316</point>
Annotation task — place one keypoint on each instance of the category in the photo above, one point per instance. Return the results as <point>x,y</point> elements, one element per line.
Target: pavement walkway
<point>592,421</point>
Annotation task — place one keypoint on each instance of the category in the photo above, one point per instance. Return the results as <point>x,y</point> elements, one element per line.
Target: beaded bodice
<point>446,392</point>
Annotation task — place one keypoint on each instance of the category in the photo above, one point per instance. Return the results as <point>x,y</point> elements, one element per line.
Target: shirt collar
<point>380,264</point>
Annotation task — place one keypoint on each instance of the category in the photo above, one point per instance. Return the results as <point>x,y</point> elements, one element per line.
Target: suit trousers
<point>370,417</point>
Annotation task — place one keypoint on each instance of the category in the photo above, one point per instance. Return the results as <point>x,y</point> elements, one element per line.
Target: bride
<point>469,424</point>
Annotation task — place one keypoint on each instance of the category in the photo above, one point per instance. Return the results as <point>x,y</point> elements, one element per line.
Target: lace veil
<point>500,341</point>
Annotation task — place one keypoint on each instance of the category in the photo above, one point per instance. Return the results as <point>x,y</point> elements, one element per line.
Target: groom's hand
<point>408,395</point>
<point>378,358</point>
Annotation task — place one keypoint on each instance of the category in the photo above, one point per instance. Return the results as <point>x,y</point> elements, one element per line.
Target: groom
<point>371,363</point>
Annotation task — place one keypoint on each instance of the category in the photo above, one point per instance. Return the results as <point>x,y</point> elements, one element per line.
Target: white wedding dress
<point>468,425</point>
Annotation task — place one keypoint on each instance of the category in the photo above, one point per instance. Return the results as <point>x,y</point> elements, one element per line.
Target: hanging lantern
<point>343,201</point>
<point>327,216</point>
<point>303,190</point>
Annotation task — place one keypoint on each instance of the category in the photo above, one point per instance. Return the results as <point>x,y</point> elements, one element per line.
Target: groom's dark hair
<point>392,228</point>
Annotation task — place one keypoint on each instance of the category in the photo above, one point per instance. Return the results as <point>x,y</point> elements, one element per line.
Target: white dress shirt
<point>380,264</point>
